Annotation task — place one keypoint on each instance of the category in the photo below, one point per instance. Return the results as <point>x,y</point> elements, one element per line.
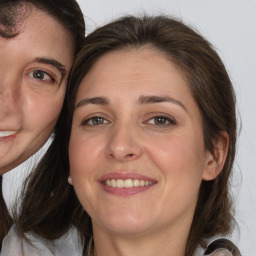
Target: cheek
<point>181,165</point>
<point>180,159</point>
<point>83,159</point>
<point>83,154</point>
<point>41,113</point>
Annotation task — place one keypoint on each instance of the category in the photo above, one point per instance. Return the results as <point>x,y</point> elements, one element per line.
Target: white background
<point>230,25</point>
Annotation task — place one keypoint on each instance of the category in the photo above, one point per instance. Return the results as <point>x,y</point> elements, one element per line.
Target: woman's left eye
<point>41,75</point>
<point>161,121</point>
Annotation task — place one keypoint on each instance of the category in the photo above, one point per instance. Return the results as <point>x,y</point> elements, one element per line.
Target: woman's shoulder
<point>14,245</point>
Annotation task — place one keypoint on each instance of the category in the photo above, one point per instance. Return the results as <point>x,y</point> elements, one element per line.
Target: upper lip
<point>8,126</point>
<point>124,176</point>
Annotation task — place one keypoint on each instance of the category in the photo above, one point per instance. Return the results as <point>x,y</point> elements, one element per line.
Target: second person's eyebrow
<point>54,63</point>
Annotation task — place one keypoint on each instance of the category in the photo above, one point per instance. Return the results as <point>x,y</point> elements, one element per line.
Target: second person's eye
<point>41,75</point>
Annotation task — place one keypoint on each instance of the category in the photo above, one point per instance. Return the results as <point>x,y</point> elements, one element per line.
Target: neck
<point>162,243</point>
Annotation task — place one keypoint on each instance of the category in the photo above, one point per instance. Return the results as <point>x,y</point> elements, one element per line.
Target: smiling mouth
<point>4,134</point>
<point>128,183</point>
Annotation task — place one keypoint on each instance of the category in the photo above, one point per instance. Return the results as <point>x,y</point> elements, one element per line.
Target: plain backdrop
<point>230,25</point>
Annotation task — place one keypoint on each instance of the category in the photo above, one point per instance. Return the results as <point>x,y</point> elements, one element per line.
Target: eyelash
<point>33,72</point>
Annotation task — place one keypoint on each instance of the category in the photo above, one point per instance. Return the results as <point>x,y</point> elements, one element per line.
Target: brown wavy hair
<point>12,15</point>
<point>50,206</point>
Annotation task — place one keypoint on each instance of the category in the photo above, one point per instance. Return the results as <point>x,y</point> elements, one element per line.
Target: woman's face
<point>34,66</point>
<point>137,154</point>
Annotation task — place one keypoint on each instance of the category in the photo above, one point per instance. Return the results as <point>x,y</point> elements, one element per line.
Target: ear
<point>215,162</point>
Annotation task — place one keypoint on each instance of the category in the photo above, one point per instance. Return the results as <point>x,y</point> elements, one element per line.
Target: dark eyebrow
<point>54,63</point>
<point>159,99</point>
<point>97,101</point>
<point>142,100</point>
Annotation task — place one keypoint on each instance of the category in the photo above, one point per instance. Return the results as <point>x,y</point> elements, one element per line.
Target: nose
<point>124,144</point>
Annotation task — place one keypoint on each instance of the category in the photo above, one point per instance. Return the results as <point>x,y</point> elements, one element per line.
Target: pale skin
<point>34,67</point>
<point>135,118</point>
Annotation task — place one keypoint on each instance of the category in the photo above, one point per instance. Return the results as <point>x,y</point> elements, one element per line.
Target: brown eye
<point>160,120</point>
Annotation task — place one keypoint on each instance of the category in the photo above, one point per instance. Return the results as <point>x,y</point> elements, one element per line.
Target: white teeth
<point>129,183</point>
<point>136,183</point>
<point>119,183</point>
<point>113,183</point>
<point>7,133</point>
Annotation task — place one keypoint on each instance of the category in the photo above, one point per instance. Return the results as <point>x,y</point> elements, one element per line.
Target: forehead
<point>36,18</point>
<point>144,67</point>
<point>18,18</point>
<point>39,35</point>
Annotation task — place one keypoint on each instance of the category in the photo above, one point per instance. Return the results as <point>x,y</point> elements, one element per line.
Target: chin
<point>127,225</point>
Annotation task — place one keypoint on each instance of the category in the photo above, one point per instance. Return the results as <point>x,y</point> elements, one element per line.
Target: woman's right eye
<point>96,120</point>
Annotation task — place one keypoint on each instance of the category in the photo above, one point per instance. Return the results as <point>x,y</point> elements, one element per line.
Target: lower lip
<point>8,138</point>
<point>125,191</point>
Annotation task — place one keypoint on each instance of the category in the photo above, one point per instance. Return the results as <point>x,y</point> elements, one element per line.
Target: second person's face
<point>34,66</point>
<point>137,154</point>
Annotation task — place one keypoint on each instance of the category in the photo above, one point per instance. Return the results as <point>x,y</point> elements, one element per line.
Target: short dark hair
<point>213,92</point>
